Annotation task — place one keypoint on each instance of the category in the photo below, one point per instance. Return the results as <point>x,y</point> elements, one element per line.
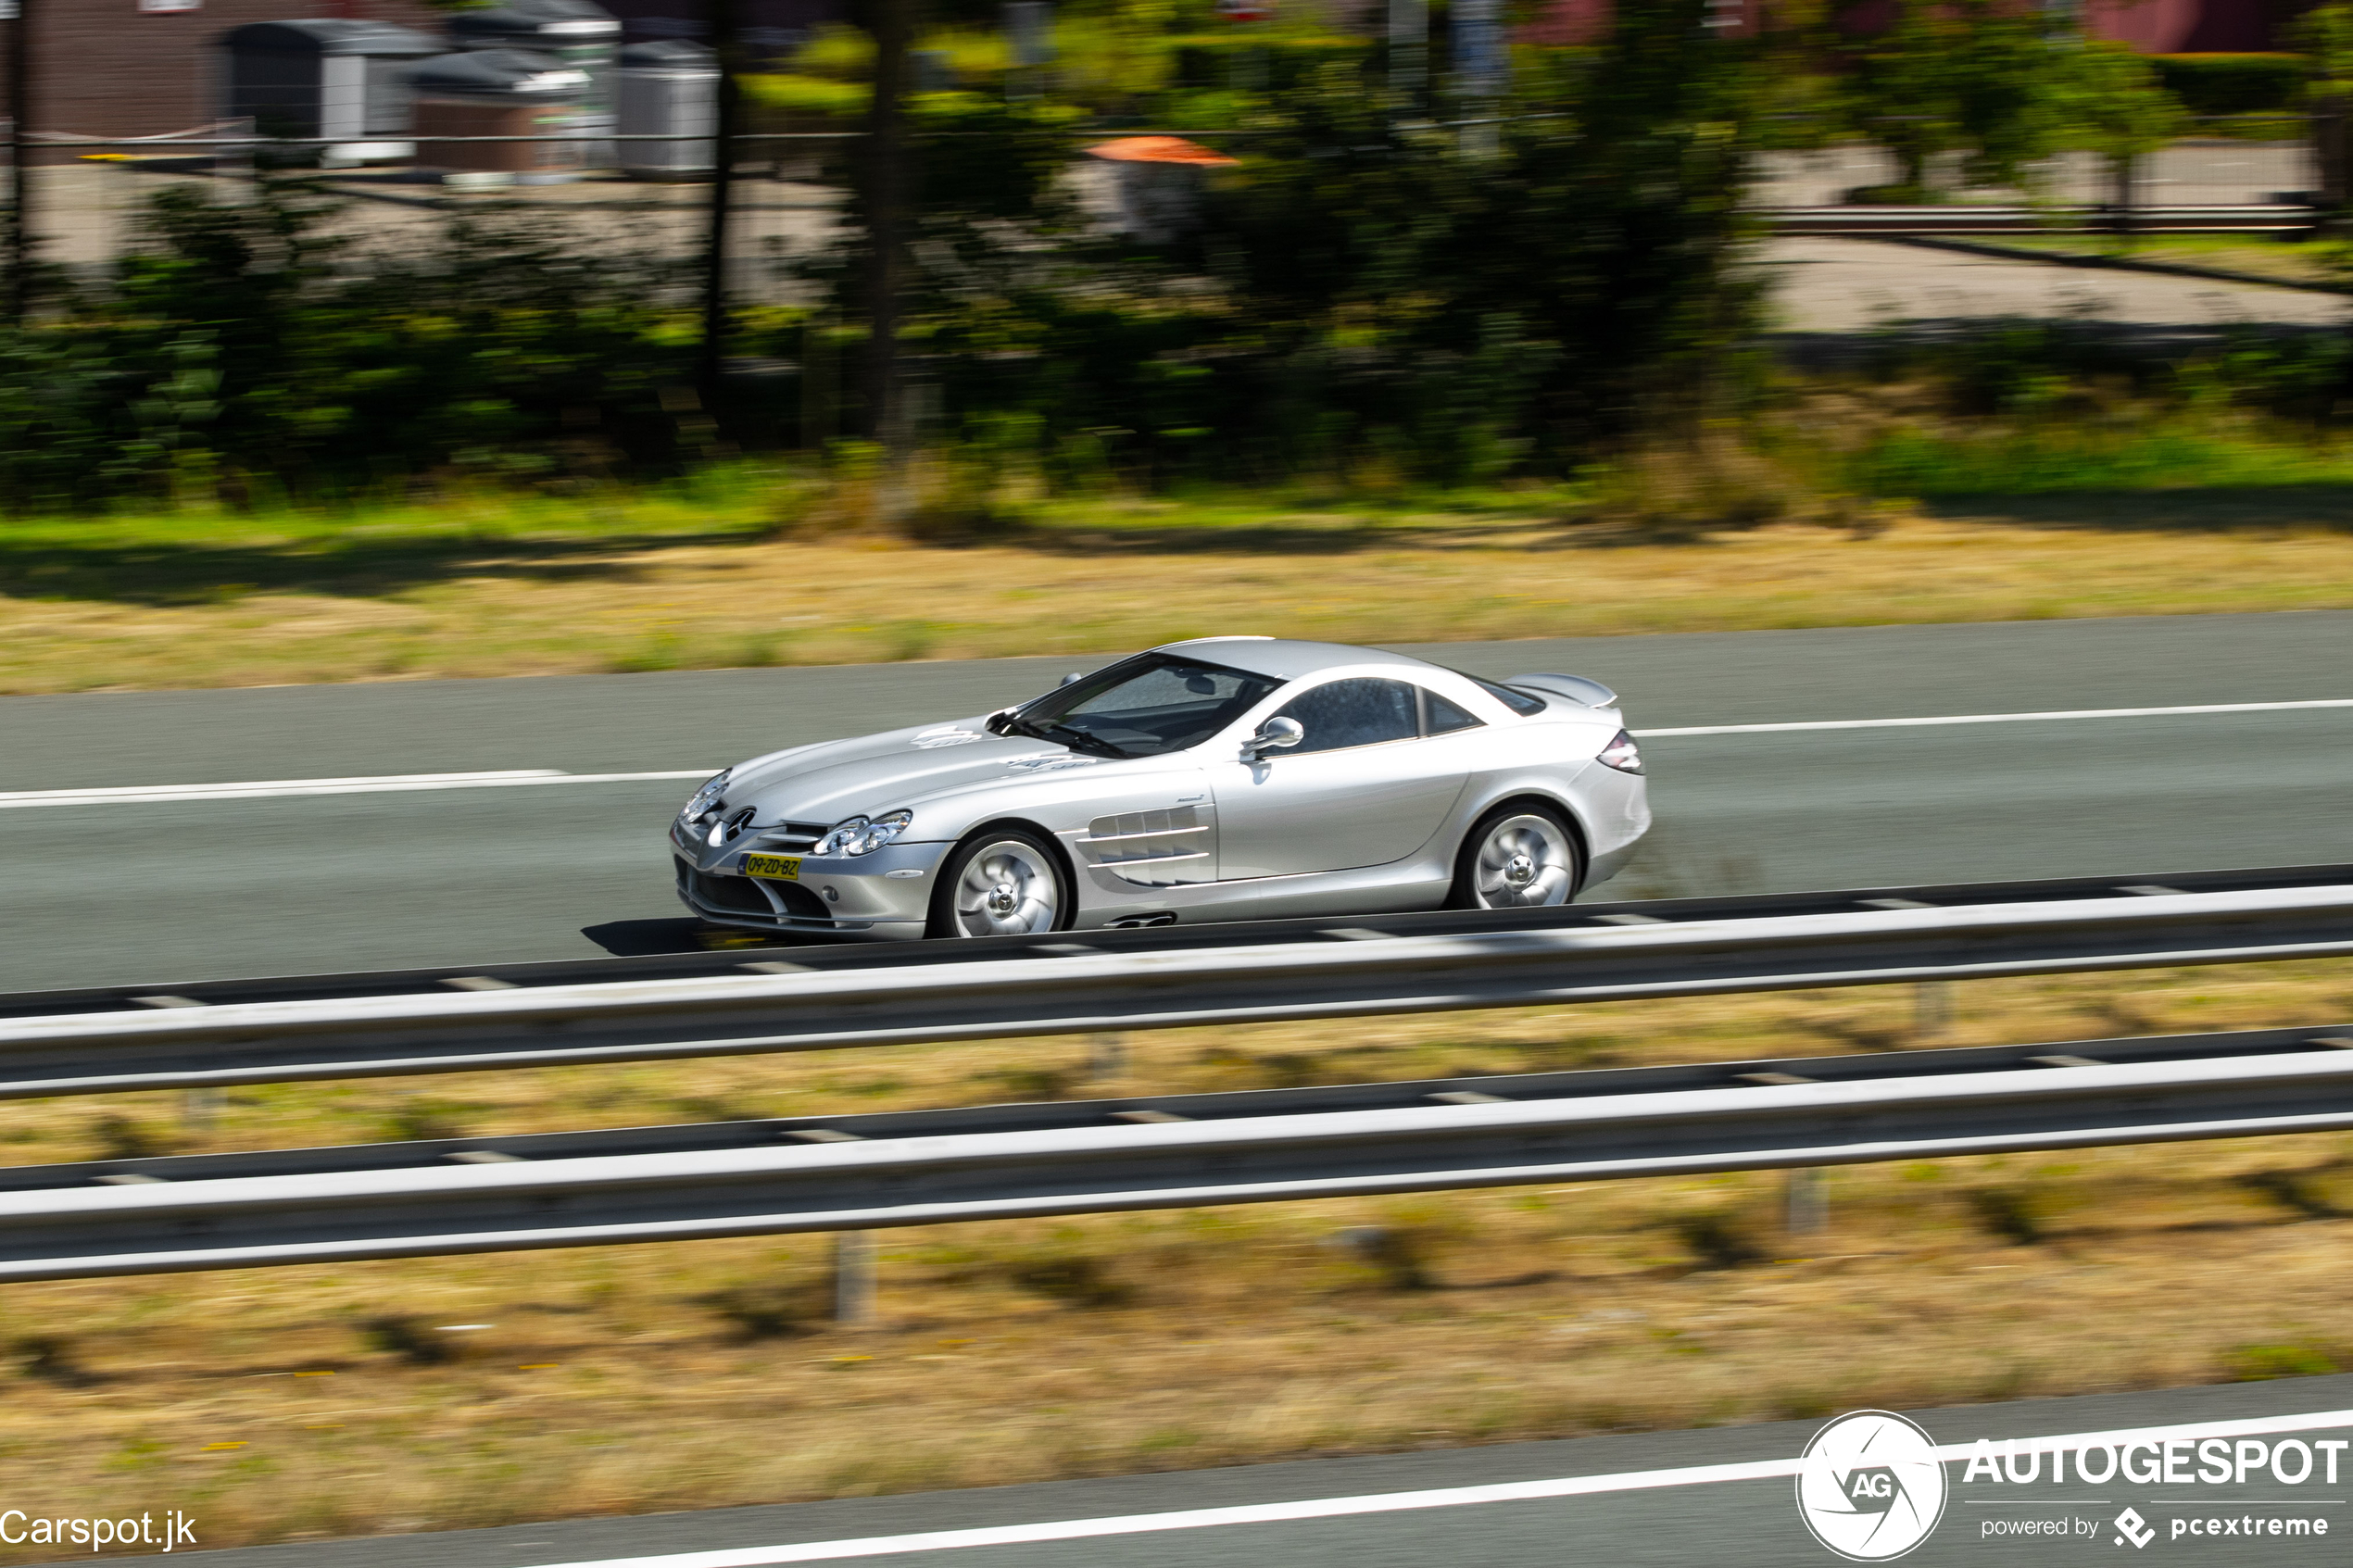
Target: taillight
<point>1622,753</point>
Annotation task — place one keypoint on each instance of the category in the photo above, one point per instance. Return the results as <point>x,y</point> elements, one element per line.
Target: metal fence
<point>86,211</point>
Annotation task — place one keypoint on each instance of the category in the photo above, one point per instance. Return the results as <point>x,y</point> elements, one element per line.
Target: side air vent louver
<point>1151,848</point>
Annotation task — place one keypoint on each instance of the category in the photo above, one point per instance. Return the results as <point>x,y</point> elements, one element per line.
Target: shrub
<point>766,1312</point>
<point>411,1338</point>
<point>2010,1213</point>
<point>2257,1363</point>
<point>52,1359</point>
<point>1401,1254</point>
<point>2220,84</point>
<point>1721,1239</point>
<point>1073,1279</point>
<point>125,1137</point>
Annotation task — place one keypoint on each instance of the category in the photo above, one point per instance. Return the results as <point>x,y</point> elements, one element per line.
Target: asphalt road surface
<point>132,884</point>
<point>1726,1495</point>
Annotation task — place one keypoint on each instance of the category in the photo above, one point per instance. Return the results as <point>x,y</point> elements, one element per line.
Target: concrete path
<point>1839,285</point>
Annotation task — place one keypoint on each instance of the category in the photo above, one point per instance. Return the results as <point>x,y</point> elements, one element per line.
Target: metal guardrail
<point>1042,1116</point>
<point>2264,217</point>
<point>1074,987</point>
<point>1499,1133</point>
<point>819,955</point>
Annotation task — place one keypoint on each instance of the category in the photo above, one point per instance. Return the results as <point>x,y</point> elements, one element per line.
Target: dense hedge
<point>2220,85</point>
<point>239,350</point>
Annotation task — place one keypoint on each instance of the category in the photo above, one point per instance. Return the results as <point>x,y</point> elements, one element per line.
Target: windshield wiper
<point>1063,735</point>
<point>1077,739</point>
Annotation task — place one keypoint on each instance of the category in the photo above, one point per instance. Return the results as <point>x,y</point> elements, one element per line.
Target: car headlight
<point>838,837</point>
<point>706,797</point>
<point>863,835</point>
<point>1621,754</point>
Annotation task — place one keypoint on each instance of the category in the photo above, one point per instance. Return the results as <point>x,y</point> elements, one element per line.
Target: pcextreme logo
<point>1870,1488</point>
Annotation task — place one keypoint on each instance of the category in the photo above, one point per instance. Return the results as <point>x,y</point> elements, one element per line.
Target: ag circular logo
<point>1871,1486</point>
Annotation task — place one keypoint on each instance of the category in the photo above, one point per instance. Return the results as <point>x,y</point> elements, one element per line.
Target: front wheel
<point>1518,857</point>
<point>1003,883</point>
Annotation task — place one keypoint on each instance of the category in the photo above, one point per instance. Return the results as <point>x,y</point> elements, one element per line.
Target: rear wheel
<point>1518,857</point>
<point>1001,883</point>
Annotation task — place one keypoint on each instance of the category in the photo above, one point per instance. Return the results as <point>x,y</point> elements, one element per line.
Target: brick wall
<point>107,68</point>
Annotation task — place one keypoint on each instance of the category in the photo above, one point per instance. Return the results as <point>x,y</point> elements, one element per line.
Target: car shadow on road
<point>648,939</point>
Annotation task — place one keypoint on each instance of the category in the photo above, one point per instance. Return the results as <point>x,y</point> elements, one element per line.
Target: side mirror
<point>995,722</point>
<point>1273,735</point>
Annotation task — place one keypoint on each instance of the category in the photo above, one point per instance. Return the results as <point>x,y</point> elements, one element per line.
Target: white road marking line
<point>1397,1503</point>
<point>268,789</point>
<point>1993,719</point>
<point>510,778</point>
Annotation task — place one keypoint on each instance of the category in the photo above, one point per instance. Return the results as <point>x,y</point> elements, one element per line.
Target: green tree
<point>2325,34</point>
<point>1981,78</point>
<point>2117,107</point>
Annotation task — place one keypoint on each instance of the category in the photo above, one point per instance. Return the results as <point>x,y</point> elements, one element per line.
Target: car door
<point>1363,786</point>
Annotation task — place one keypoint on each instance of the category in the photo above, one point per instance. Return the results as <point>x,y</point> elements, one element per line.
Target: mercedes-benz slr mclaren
<point>1226,778</point>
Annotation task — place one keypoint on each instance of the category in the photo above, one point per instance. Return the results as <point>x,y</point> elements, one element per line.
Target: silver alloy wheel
<point>1524,860</point>
<point>1007,887</point>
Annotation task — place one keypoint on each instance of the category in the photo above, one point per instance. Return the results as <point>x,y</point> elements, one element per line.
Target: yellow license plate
<point>784,868</point>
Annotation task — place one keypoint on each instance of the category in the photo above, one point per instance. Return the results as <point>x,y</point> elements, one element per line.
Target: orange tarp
<point>1160,149</point>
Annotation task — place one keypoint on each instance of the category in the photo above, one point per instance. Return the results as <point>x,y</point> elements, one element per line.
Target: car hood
<point>825,782</point>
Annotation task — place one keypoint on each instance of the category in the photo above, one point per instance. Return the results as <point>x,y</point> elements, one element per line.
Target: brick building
<point>144,67</point>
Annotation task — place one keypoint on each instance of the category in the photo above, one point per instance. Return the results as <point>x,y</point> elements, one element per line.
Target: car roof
<point>1289,661</point>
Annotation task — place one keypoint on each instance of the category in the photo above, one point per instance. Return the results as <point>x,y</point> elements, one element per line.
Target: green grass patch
<point>2285,259</point>
<point>2032,458</point>
<point>723,499</point>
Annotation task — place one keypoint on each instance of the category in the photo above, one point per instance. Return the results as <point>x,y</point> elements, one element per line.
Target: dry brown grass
<point>1077,588</point>
<point>295,1403</point>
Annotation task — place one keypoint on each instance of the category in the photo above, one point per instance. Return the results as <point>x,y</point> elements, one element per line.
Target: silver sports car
<point>1226,778</point>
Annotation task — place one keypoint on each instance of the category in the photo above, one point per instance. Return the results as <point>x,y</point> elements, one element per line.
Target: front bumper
<point>882,897</point>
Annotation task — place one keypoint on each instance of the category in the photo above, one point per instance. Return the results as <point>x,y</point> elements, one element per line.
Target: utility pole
<point>20,142</point>
<point>887,224</point>
<point>721,15</point>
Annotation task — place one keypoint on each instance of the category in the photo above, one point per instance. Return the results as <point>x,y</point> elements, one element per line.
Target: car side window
<point>1344,714</point>
<point>1441,717</point>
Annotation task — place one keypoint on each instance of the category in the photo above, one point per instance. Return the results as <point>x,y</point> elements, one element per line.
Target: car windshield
<point>1145,705</point>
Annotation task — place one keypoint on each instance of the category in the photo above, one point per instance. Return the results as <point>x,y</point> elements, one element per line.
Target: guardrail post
<point>1931,1008</point>
<point>1106,1056</point>
<point>199,1107</point>
<point>1809,1200</point>
<point>853,1277</point>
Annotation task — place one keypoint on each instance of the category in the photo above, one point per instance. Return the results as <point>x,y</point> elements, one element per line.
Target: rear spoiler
<point>1578,689</point>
